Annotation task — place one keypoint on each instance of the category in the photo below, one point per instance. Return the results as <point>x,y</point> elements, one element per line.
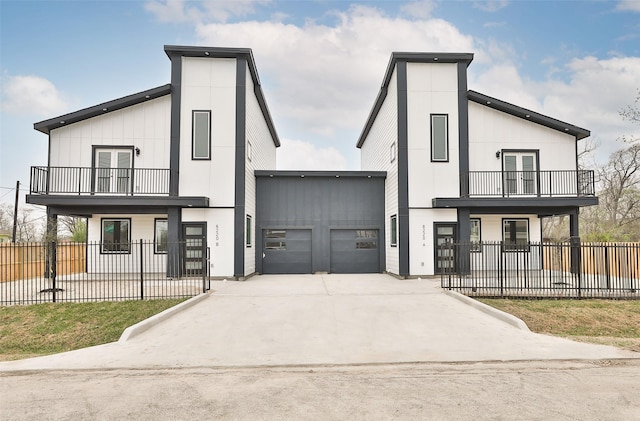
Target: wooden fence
<point>607,259</point>
<point>28,260</point>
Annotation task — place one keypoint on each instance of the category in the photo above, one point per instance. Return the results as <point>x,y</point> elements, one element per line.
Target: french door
<point>113,171</point>
<point>520,174</point>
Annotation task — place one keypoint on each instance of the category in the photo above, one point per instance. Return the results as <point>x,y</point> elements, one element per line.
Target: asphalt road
<point>542,390</point>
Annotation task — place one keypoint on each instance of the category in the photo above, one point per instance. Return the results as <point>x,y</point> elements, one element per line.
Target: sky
<point>321,63</point>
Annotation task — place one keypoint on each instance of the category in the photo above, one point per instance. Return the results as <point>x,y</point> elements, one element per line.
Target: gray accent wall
<point>403,172</point>
<point>319,201</point>
<point>239,205</point>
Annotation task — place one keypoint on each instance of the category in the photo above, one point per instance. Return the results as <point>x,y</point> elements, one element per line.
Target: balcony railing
<point>100,181</point>
<point>561,183</point>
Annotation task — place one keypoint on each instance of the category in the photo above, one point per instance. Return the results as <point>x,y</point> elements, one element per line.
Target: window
<point>161,234</point>
<point>248,231</point>
<point>515,234</point>
<point>274,239</point>
<point>439,137</point>
<point>394,231</point>
<point>475,235</point>
<point>116,236</point>
<point>366,239</point>
<point>201,143</point>
<point>392,151</point>
<point>249,151</point>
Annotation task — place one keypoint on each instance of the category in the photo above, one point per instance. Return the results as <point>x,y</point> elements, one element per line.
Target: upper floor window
<point>249,152</point>
<point>392,152</point>
<point>201,132</point>
<point>439,137</point>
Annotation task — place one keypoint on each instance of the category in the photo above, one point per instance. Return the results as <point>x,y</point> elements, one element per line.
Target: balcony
<point>100,181</point>
<point>557,184</point>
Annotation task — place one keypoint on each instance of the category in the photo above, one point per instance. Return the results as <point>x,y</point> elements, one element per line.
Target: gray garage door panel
<point>355,251</point>
<point>286,251</point>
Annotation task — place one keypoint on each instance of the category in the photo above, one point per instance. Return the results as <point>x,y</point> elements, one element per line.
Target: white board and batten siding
<point>432,88</point>
<point>220,237</point>
<point>376,156</point>
<point>209,85</point>
<point>492,130</point>
<point>491,231</point>
<point>142,228</point>
<point>145,126</point>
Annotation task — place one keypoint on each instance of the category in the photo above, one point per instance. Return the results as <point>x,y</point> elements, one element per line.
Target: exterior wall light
<point>498,154</point>
<point>137,151</point>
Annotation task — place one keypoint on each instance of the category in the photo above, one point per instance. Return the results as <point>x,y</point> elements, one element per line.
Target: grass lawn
<point>42,329</point>
<point>609,322</point>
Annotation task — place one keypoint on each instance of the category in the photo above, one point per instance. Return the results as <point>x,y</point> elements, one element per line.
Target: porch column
<point>574,232</point>
<point>51,235</point>
<point>463,260</point>
<point>174,246</point>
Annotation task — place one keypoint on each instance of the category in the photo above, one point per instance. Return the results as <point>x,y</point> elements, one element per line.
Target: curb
<point>147,324</point>
<point>491,311</point>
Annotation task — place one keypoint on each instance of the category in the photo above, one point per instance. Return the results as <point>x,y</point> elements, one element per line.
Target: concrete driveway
<point>276,320</point>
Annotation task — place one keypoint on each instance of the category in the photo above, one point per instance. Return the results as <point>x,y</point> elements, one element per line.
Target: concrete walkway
<point>280,320</point>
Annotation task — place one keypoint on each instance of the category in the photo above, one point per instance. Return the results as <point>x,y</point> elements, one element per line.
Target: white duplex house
<point>194,161</point>
<point>174,163</point>
<point>464,167</point>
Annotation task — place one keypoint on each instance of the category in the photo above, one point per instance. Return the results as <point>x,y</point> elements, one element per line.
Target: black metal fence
<point>77,272</point>
<point>537,270</point>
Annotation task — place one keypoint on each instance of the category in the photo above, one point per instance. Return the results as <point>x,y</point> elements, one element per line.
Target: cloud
<point>419,9</point>
<point>490,5</point>
<point>201,12</point>
<point>31,95</point>
<point>323,79</point>
<point>630,5</point>
<point>298,154</point>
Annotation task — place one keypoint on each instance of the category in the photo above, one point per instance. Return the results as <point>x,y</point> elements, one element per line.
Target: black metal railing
<point>568,270</point>
<point>560,183</point>
<point>107,181</point>
<point>77,272</point>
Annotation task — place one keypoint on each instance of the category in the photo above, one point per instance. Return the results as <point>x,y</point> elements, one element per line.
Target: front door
<point>195,248</point>
<point>444,233</point>
<point>113,171</point>
<point>520,174</point>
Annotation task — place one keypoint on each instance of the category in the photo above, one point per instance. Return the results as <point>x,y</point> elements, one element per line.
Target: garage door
<point>286,251</point>
<point>355,251</point>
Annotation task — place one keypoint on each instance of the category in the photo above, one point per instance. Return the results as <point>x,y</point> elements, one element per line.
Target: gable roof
<point>106,107</point>
<point>529,115</point>
<point>410,58</point>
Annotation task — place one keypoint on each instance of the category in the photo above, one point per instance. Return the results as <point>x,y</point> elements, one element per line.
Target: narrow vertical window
<point>201,143</point>
<point>248,231</point>
<point>394,231</point>
<point>161,234</point>
<point>249,151</point>
<point>475,235</point>
<point>392,151</point>
<point>439,137</point>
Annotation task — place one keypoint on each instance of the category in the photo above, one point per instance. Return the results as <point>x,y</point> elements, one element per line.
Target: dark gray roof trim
<point>47,125</point>
<point>412,58</point>
<point>219,52</point>
<point>300,173</point>
<point>533,203</point>
<point>529,115</point>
